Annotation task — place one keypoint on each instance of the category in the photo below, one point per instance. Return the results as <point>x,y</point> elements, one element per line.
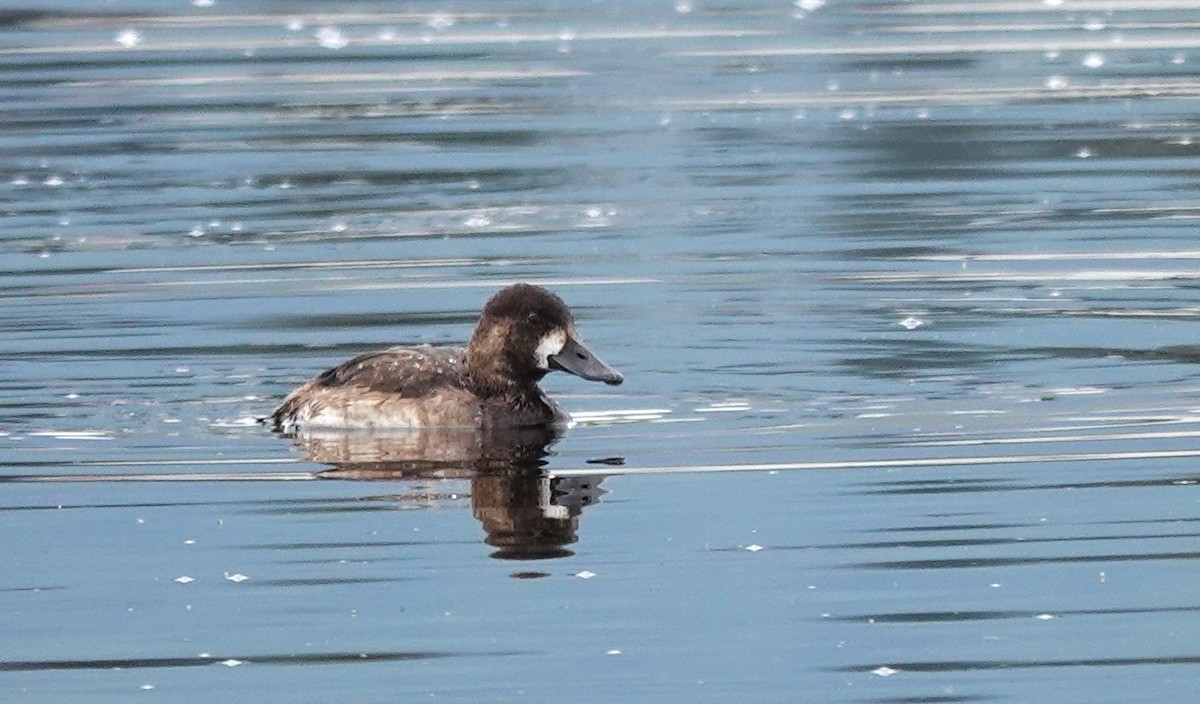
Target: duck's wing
<point>408,372</point>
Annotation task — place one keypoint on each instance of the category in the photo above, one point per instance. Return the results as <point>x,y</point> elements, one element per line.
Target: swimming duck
<point>523,333</point>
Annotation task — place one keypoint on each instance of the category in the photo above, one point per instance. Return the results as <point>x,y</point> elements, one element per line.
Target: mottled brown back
<point>405,372</point>
<point>410,372</point>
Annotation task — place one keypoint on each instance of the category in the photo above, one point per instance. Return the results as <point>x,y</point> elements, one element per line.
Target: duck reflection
<point>526,514</point>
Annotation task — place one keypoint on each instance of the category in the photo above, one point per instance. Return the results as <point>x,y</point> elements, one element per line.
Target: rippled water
<point>904,294</point>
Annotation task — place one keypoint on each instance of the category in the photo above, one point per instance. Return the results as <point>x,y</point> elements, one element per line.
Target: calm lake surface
<point>906,295</point>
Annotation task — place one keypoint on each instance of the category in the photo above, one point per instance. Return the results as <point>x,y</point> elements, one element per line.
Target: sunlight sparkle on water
<point>73,434</point>
<point>440,21</point>
<point>128,38</point>
<point>618,416</point>
<point>331,38</point>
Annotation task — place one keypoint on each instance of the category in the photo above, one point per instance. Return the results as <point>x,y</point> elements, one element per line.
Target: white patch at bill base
<point>550,345</point>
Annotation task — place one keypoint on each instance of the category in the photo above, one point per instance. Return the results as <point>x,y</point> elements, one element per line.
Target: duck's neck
<point>492,372</point>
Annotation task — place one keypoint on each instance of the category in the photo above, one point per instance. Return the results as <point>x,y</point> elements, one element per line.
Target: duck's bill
<point>575,358</point>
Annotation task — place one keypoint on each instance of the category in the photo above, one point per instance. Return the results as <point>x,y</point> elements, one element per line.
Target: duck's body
<point>523,333</point>
<point>408,387</point>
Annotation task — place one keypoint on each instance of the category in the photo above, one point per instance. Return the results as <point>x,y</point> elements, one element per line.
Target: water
<point>903,292</point>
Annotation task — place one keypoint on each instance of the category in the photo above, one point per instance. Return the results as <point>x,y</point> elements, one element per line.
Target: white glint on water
<point>724,407</point>
<point>441,21</point>
<point>243,422</point>
<point>128,38</point>
<point>331,38</point>
<point>632,415</point>
<point>72,434</point>
<point>1079,390</point>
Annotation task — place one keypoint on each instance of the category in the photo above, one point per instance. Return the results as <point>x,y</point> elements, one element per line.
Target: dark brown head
<point>523,333</point>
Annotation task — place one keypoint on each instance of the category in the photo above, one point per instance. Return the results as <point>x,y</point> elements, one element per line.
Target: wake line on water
<point>163,477</point>
<point>610,470</point>
<point>882,464</point>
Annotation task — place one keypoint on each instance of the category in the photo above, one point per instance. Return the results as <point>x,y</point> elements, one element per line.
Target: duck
<point>524,332</point>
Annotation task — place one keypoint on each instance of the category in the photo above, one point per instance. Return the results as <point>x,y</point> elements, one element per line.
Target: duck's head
<point>524,333</point>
